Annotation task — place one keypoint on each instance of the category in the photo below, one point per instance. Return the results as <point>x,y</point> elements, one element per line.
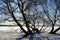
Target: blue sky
<point>50,3</point>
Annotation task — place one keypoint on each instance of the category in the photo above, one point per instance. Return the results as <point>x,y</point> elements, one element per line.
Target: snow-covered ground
<point>10,33</point>
<point>8,29</point>
<point>17,29</point>
<point>15,35</point>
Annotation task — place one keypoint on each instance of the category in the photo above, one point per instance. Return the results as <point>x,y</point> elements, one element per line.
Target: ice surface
<point>15,35</point>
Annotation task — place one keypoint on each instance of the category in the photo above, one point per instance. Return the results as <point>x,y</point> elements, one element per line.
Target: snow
<point>15,35</point>
<point>9,33</point>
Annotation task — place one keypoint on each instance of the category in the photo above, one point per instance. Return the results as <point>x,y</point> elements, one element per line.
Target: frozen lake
<point>15,35</point>
<point>17,29</point>
<point>9,33</point>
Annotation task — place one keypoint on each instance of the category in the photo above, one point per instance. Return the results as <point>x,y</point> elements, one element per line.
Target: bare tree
<point>9,7</point>
<point>29,12</point>
<point>52,16</point>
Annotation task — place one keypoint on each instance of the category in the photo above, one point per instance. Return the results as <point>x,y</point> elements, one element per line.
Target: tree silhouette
<point>32,13</point>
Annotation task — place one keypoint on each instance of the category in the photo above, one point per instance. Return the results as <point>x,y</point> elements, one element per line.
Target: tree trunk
<point>52,28</point>
<point>23,14</point>
<point>18,23</point>
<point>27,25</point>
<point>11,12</point>
<point>56,30</point>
